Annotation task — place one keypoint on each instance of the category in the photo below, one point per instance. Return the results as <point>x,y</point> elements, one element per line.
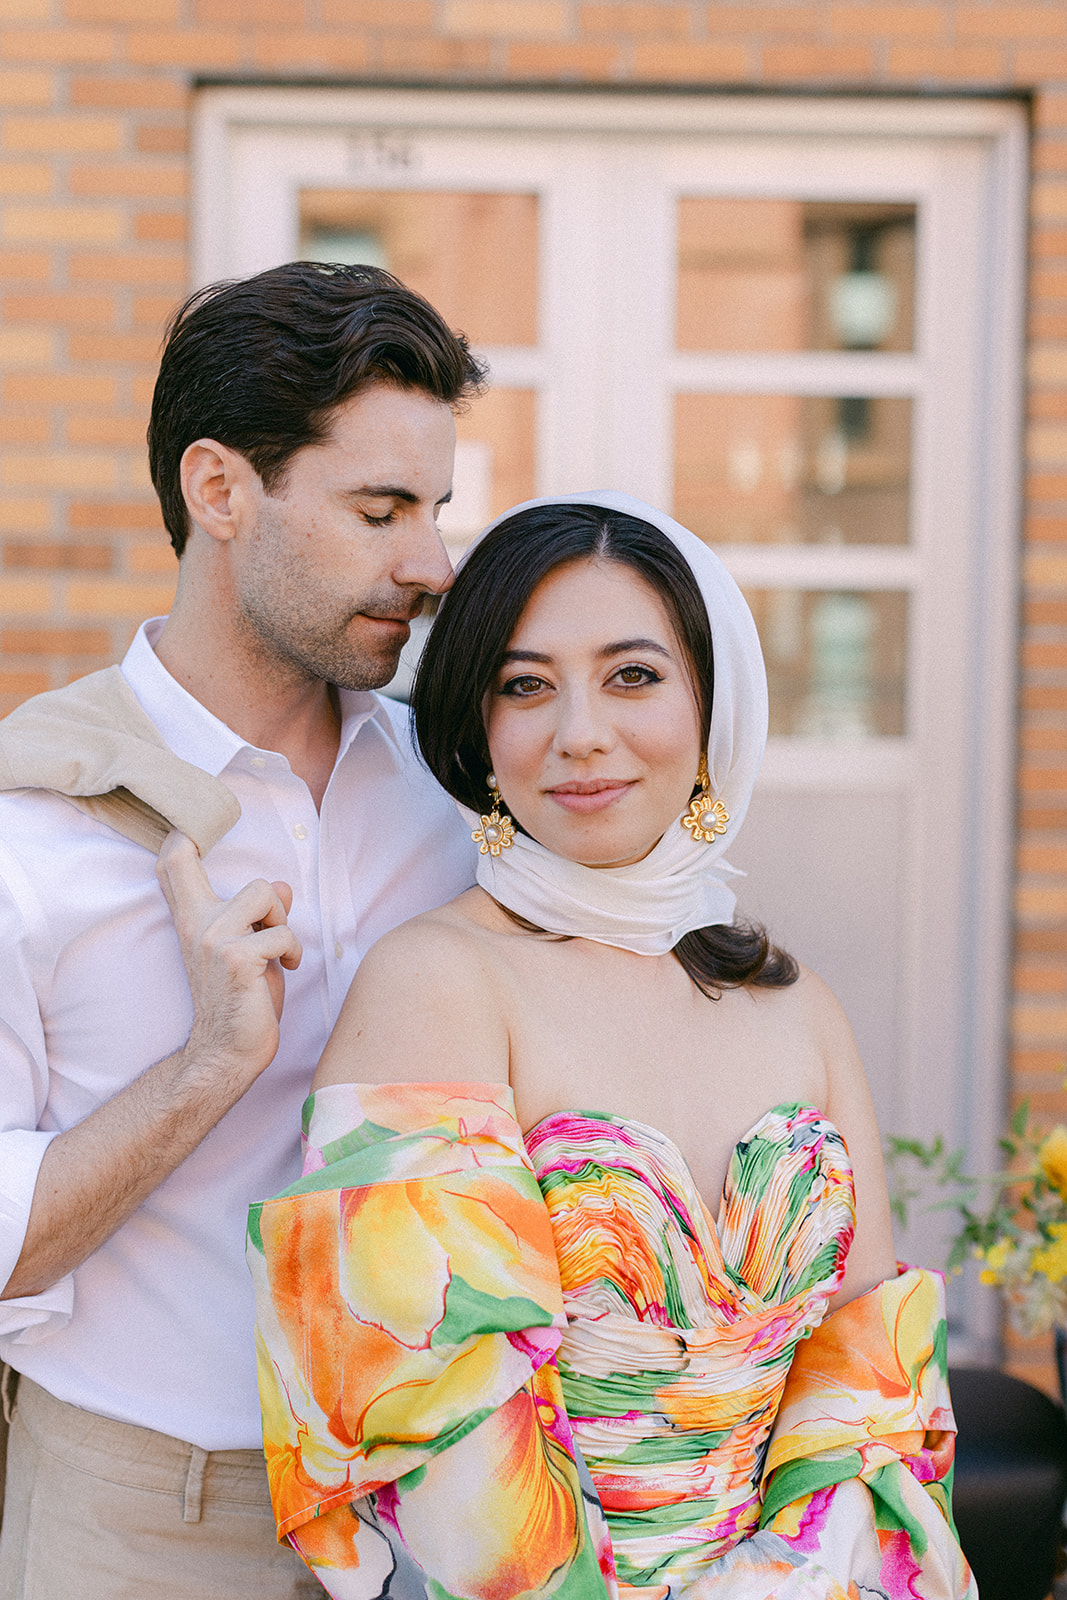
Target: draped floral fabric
<point>473,1391</point>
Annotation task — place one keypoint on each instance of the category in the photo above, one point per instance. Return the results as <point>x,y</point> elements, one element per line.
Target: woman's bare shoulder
<point>426,1003</point>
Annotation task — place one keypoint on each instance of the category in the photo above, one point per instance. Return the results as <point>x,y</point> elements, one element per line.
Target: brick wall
<point>94,107</point>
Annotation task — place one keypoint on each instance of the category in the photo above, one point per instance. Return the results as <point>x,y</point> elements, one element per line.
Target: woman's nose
<point>582,730</point>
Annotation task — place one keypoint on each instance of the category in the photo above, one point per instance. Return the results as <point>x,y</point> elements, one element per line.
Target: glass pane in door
<point>793,469</point>
<point>757,274</point>
<point>429,239</point>
<point>835,661</point>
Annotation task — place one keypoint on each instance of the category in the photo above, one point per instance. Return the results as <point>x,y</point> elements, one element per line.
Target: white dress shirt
<point>155,1327</point>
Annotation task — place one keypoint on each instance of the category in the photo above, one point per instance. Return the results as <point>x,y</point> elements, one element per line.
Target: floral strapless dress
<point>493,1367</point>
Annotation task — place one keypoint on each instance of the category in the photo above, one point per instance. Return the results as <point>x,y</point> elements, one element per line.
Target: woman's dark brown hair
<point>476,623</point>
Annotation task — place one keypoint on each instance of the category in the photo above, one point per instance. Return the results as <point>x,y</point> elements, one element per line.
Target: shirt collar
<point>195,734</point>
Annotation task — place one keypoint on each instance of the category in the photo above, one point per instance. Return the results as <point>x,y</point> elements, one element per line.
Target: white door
<point>795,324</point>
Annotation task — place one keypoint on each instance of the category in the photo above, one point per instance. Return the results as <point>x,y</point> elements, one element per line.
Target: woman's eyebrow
<point>625,646</point>
<point>620,647</point>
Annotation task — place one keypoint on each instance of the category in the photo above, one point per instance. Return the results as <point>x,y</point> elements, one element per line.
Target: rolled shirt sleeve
<point>23,1096</point>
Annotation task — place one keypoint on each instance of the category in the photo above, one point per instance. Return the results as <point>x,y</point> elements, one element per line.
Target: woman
<point>505,1347</point>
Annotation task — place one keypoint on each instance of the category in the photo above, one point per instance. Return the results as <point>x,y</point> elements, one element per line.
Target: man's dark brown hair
<point>261,364</point>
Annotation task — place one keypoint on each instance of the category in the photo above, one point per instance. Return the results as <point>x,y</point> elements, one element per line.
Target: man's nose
<point>424,562</point>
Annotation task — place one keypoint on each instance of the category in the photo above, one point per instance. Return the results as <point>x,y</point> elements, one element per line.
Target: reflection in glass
<point>794,275</point>
<point>793,469</point>
<point>429,240</point>
<point>835,661</point>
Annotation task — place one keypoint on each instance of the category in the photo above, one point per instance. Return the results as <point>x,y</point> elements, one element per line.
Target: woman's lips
<point>593,795</point>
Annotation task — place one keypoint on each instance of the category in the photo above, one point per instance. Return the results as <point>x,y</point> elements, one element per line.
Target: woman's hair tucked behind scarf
<point>474,627</point>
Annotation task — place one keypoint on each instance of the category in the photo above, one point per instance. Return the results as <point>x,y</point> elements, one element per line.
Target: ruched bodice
<point>681,1327</point>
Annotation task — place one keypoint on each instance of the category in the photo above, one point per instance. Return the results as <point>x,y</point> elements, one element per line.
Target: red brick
<point>984,63</point>
<point>55,641</point>
<point>58,389</point>
<point>415,16</point>
<point>196,49</point>
<point>1049,155</point>
<point>72,46</point>
<point>143,12</point>
<point>911,21</point>
<point>315,52</point>
<point>1047,530</point>
<point>1044,655</point>
<point>259,14</point>
<point>1048,325</point>
<point>59,307</point>
<point>169,227</point>
<point>113,347</point>
<point>1036,612</point>
<point>139,515</point>
<point>631,20</point>
<point>18,686</point>
<point>1034,62</point>
<point>1048,283</point>
<point>159,138</point>
<point>402,54</point>
<point>125,432</point>
<point>1003,21</point>
<point>1049,941</point>
<point>34,264</point>
<point>59,557</point>
<point>1044,697</point>
<point>807,61</point>
<point>25,430</point>
<point>580,61</point>
<point>130,179</point>
<point>127,93</point>
<point>711,61</point>
<point>130,266</point>
<point>766,22</point>
<point>1047,485</point>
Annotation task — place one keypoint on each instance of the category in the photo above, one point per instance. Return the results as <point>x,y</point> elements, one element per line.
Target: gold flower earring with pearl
<point>706,817</point>
<point>497,831</point>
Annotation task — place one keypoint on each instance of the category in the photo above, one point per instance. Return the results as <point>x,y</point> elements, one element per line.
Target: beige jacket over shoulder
<point>93,744</point>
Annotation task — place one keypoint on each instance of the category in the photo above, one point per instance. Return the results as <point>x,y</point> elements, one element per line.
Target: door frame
<point>374,119</point>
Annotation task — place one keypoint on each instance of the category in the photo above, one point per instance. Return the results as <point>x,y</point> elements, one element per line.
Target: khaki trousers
<point>107,1511</point>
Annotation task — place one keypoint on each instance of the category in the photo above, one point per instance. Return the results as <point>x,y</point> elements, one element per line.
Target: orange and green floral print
<point>474,1393</point>
<point>408,1387</point>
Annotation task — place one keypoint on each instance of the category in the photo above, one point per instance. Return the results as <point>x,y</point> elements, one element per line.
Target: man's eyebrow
<point>392,491</point>
<point>384,491</point>
<point>622,647</point>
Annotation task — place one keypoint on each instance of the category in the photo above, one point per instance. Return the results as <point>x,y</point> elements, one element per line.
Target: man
<point>301,443</point>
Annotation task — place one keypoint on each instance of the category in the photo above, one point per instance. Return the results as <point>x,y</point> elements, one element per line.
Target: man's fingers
<point>284,893</point>
<point>276,944</point>
<point>181,875</point>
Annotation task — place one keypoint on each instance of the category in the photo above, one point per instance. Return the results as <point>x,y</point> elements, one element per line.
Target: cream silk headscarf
<point>681,884</point>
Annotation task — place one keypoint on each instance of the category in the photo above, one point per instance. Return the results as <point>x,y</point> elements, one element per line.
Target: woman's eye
<point>527,684</point>
<point>635,676</point>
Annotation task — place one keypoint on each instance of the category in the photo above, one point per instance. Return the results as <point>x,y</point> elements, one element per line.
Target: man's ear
<point>215,480</point>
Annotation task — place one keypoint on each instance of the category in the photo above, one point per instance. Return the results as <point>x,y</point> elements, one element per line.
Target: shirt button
<point>338,949</point>
<point>300,832</point>
<point>259,761</point>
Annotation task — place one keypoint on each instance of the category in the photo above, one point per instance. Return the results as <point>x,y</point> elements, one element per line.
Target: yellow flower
<point>1052,1157</point>
<point>995,1258</point>
<point>1051,1259</point>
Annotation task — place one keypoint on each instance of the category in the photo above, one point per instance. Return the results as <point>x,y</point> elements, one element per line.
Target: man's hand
<point>233,952</point>
<point>96,1174</point>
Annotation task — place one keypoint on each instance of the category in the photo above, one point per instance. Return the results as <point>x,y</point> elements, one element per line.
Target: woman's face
<point>592,721</point>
